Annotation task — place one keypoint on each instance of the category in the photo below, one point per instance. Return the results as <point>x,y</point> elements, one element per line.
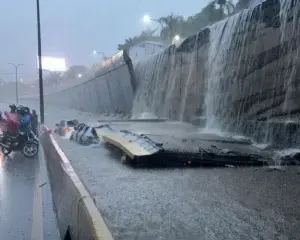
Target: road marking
<point>37,232</point>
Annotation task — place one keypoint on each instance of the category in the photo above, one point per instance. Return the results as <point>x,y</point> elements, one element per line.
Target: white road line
<point>37,232</point>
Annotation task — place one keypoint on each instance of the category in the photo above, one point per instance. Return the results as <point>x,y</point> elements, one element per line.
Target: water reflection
<point>2,180</point>
<point>1,161</point>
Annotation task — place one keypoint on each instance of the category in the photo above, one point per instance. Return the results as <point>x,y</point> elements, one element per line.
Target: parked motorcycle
<point>27,143</point>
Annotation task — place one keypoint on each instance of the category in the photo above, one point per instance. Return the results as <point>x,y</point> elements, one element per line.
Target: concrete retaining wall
<point>245,67</point>
<point>110,91</point>
<point>75,208</point>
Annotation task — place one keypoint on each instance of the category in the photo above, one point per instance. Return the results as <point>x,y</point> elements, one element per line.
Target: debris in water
<point>275,168</point>
<point>229,166</point>
<point>43,184</point>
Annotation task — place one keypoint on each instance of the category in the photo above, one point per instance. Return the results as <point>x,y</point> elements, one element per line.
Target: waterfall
<point>238,74</point>
<point>228,57</point>
<point>289,26</point>
<point>216,99</point>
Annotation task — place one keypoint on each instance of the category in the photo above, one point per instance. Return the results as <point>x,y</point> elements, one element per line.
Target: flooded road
<point>221,203</point>
<point>26,210</point>
<point>215,203</point>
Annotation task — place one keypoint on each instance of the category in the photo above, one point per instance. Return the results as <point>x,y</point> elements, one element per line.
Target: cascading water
<point>289,26</point>
<point>219,44</point>
<point>227,59</point>
<point>232,73</point>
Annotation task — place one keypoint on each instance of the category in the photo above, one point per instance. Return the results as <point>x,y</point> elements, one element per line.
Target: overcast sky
<point>73,28</point>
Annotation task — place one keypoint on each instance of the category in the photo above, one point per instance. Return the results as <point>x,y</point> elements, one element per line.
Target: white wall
<point>145,49</point>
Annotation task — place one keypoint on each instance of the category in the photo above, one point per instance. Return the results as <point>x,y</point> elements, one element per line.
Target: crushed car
<point>84,135</point>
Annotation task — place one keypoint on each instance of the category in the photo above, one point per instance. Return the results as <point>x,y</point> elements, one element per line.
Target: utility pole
<point>40,63</point>
<point>16,66</point>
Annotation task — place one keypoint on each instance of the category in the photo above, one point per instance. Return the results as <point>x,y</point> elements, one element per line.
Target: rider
<point>25,119</point>
<point>12,120</point>
<point>12,123</point>
<point>25,122</point>
<point>13,108</point>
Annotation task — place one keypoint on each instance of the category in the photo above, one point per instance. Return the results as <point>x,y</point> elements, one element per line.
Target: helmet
<point>26,110</point>
<point>13,107</point>
<point>21,110</point>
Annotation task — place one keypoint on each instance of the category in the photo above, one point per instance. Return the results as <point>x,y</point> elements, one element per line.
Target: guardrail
<point>76,211</point>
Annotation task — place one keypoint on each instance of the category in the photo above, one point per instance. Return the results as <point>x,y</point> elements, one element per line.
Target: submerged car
<point>65,127</point>
<point>84,135</point>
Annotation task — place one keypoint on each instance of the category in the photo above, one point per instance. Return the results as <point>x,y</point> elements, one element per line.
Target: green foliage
<point>145,35</point>
<point>241,5</point>
<point>172,24</point>
<point>74,70</point>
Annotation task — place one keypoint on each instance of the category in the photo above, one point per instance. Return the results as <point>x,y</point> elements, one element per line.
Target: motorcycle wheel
<point>30,149</point>
<point>5,151</point>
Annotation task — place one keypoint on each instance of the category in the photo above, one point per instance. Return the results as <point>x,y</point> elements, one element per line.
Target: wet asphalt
<point>219,203</point>
<point>26,208</point>
<point>210,203</point>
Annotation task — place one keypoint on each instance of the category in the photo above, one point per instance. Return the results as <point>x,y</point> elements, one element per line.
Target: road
<point>26,208</point>
<point>187,204</point>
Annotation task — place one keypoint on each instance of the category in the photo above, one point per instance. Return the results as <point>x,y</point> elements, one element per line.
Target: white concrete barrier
<point>76,211</point>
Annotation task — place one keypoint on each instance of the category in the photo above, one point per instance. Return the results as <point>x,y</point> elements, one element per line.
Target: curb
<point>76,212</point>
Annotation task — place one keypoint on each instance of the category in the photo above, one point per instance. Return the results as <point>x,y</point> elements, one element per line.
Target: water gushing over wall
<point>289,26</point>
<point>240,74</point>
<point>202,76</point>
<point>220,42</point>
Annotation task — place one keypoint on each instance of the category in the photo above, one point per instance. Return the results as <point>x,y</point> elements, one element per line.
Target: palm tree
<point>209,14</point>
<point>225,4</point>
<point>241,5</point>
<point>172,26</point>
<point>145,35</point>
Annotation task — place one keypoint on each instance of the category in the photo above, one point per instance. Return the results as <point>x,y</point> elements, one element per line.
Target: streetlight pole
<point>16,66</point>
<point>40,62</point>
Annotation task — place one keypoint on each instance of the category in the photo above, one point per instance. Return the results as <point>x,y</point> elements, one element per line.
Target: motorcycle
<point>27,143</point>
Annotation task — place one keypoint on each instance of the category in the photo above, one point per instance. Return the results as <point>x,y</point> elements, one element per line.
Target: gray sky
<point>73,28</point>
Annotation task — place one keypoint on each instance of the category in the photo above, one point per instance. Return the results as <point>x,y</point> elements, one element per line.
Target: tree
<point>53,78</point>
<point>144,36</point>
<point>173,24</point>
<point>74,71</point>
<point>225,4</point>
<point>241,5</point>
<point>207,16</point>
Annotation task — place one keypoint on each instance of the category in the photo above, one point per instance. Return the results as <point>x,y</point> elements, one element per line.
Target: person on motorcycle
<point>28,111</point>
<point>25,122</point>
<point>13,108</point>
<point>25,119</point>
<point>11,123</point>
